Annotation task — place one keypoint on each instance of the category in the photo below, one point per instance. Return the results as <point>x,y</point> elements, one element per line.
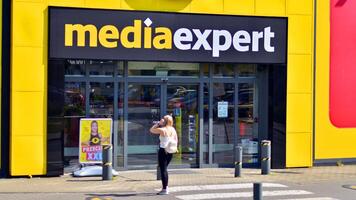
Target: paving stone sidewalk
<point>145,180</point>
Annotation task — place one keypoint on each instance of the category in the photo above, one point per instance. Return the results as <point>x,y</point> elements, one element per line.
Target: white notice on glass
<point>222,109</point>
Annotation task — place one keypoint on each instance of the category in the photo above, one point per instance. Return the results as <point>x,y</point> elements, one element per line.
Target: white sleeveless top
<point>166,140</point>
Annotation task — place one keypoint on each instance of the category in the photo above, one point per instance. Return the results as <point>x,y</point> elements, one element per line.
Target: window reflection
<point>248,137</point>
<point>101,68</point>
<point>74,110</point>
<point>75,68</point>
<point>163,69</point>
<point>101,99</point>
<point>74,99</point>
<point>245,70</point>
<point>223,123</point>
<point>183,105</point>
<point>223,70</point>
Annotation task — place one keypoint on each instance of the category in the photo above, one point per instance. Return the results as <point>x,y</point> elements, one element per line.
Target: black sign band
<point>158,36</point>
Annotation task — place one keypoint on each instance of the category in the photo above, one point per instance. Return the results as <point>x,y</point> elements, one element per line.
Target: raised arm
<point>156,130</point>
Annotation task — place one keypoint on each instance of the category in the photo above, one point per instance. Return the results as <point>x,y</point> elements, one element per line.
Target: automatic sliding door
<point>182,103</point>
<point>223,123</point>
<point>143,108</point>
<point>248,125</point>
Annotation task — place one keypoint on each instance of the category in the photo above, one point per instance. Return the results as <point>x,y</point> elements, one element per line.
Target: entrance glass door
<point>144,107</point>
<point>182,103</point>
<point>223,123</point>
<point>248,123</point>
<point>147,104</point>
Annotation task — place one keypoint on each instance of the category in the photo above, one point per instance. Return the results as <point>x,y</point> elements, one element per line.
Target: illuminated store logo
<point>161,36</point>
<point>109,36</point>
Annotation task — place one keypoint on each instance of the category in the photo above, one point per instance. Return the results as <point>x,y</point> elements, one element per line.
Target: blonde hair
<point>169,120</point>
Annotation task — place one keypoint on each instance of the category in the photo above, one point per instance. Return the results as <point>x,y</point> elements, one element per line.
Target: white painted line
<point>221,187</point>
<point>315,198</point>
<point>242,194</point>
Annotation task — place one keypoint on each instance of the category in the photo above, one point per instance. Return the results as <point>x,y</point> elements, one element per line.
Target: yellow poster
<point>93,134</point>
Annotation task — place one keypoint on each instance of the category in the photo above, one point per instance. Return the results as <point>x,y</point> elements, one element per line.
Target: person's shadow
<point>119,195</point>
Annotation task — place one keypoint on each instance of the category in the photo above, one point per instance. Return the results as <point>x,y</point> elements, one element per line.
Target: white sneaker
<point>163,192</point>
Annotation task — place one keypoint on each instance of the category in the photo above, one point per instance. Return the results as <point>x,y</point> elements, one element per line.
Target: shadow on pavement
<point>286,172</point>
<point>140,180</point>
<point>85,180</point>
<point>123,195</point>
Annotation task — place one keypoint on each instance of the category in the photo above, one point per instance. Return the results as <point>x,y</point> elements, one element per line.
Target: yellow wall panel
<point>300,40</point>
<point>28,24</point>
<point>180,5</point>
<point>109,4</point>
<point>300,7</point>
<point>27,111</point>
<point>299,113</point>
<point>27,156</point>
<point>139,4</point>
<point>299,145</point>
<point>30,30</point>
<point>240,7</point>
<point>207,6</point>
<point>271,7</point>
<point>330,142</point>
<point>299,79</point>
<point>28,72</point>
<point>68,3</point>
<point>30,1</point>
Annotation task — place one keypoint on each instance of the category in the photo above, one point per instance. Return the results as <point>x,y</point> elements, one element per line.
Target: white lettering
<point>183,35</point>
<point>202,39</point>
<point>256,36</point>
<point>242,37</point>
<point>267,39</point>
<point>217,47</point>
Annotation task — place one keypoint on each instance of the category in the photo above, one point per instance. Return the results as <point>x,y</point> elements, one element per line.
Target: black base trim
<point>5,90</point>
<point>55,120</point>
<point>334,162</point>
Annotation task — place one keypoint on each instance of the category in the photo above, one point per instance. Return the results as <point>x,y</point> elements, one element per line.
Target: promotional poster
<point>93,134</point>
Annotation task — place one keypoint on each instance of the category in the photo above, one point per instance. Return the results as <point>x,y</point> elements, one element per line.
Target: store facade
<point>230,72</point>
<point>211,77</point>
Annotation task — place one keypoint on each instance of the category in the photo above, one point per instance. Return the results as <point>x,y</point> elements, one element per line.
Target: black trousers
<point>164,159</point>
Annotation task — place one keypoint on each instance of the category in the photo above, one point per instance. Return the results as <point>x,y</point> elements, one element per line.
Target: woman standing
<point>168,145</point>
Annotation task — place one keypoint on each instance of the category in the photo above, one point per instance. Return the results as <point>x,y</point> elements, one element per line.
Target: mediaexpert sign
<point>94,132</point>
<point>160,36</point>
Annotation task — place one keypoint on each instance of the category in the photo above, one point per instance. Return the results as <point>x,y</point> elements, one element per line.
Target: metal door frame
<point>200,81</point>
<point>163,82</point>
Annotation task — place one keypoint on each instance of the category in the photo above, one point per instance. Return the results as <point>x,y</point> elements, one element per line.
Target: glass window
<point>74,99</point>
<point>143,110</point>
<point>120,138</point>
<point>74,109</point>
<point>101,99</point>
<point>163,69</point>
<point>223,123</point>
<point>74,68</point>
<point>120,68</point>
<point>101,68</point>
<point>182,103</point>
<point>223,70</point>
<point>248,129</point>
<point>246,70</point>
<point>205,68</point>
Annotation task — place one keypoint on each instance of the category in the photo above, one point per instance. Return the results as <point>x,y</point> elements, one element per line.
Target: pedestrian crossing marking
<point>242,194</point>
<point>221,187</point>
<point>315,198</point>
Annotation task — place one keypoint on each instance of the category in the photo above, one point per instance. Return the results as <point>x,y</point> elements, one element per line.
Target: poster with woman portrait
<point>94,132</point>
